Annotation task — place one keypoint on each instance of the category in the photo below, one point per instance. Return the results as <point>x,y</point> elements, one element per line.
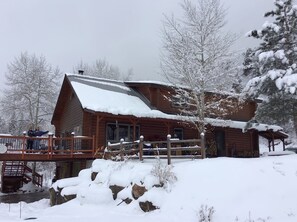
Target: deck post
<point>141,148</point>
<point>273,144</point>
<point>24,145</point>
<point>93,146</point>
<point>72,144</point>
<point>168,149</point>
<point>122,149</point>
<point>50,145</point>
<point>202,136</point>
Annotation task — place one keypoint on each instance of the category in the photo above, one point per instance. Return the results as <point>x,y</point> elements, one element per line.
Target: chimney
<point>81,72</point>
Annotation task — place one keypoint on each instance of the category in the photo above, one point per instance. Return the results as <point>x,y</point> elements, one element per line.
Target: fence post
<point>141,148</point>
<point>168,149</point>
<point>202,145</point>
<point>122,149</point>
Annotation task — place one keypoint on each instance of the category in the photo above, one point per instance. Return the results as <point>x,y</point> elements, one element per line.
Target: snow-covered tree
<point>273,65</point>
<point>196,57</point>
<point>3,126</point>
<point>31,92</point>
<point>102,69</point>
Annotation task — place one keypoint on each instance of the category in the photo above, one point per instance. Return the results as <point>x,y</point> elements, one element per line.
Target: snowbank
<point>255,189</point>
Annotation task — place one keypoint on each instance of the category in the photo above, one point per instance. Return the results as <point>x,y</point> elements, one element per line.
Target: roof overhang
<point>273,135</point>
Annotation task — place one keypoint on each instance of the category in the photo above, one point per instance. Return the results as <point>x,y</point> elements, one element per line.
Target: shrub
<point>206,213</point>
<point>163,173</point>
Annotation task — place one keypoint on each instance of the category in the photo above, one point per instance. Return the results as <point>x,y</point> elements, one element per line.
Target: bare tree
<point>31,92</point>
<point>102,69</point>
<point>3,126</point>
<point>196,57</point>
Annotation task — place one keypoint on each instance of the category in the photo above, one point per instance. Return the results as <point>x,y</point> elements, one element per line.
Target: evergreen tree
<point>273,65</point>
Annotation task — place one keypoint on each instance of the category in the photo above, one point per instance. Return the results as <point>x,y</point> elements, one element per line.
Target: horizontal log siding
<point>72,115</point>
<point>237,140</point>
<point>245,113</point>
<point>158,98</point>
<point>87,123</point>
<point>191,133</point>
<point>102,133</point>
<point>153,130</point>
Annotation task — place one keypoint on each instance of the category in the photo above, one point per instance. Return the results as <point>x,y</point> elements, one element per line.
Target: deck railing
<point>49,145</point>
<point>171,148</point>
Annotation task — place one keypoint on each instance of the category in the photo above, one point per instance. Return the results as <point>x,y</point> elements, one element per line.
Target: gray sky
<point>124,32</point>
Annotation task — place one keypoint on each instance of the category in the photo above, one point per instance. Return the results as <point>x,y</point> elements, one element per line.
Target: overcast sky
<point>124,32</point>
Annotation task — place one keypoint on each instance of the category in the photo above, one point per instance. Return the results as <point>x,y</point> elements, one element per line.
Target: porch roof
<point>271,135</point>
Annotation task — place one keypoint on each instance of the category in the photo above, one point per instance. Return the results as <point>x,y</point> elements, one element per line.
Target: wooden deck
<point>14,148</point>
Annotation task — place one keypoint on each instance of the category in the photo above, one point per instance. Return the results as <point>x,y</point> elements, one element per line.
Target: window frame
<point>116,132</point>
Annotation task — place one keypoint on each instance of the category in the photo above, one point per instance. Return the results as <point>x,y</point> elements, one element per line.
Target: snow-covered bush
<point>163,173</point>
<point>206,213</point>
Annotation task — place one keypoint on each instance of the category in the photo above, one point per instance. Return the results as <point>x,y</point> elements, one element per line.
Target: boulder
<point>138,191</point>
<point>147,206</point>
<point>93,175</point>
<point>56,198</point>
<point>115,190</point>
<point>53,196</point>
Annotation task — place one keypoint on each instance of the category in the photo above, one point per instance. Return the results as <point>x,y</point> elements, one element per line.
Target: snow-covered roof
<point>114,97</point>
<point>168,84</point>
<point>244,125</point>
<point>117,98</point>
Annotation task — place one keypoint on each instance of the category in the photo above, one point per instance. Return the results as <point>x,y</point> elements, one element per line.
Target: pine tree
<point>273,65</point>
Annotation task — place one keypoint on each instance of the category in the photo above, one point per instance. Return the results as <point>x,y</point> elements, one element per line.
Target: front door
<point>220,143</point>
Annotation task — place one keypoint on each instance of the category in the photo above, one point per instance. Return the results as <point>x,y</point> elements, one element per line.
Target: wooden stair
<point>15,173</point>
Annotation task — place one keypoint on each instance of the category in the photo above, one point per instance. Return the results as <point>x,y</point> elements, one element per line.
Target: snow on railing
<point>171,148</point>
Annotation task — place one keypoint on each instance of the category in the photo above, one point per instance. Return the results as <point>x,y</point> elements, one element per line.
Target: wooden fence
<point>171,148</point>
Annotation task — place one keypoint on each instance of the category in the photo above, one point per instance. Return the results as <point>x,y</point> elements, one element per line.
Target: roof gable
<point>110,96</point>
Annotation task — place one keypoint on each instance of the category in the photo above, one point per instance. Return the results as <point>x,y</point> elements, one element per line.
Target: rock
<point>53,196</point>
<point>69,197</point>
<point>127,200</point>
<point>56,198</point>
<point>138,191</point>
<point>147,206</point>
<point>115,190</point>
<point>93,175</point>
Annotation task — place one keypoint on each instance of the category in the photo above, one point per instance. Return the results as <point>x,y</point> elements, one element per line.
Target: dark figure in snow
<point>30,133</point>
<point>38,133</point>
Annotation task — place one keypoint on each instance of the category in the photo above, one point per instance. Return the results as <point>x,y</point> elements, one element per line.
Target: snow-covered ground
<point>257,189</point>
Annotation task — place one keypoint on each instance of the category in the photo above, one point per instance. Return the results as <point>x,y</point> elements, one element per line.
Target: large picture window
<point>117,131</point>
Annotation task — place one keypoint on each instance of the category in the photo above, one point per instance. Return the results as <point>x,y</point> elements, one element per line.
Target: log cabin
<point>112,110</point>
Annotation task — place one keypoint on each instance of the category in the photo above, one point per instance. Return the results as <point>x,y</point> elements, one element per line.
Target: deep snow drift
<point>258,189</point>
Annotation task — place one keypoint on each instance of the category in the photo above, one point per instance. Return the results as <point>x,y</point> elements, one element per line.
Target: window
<point>111,133</point>
<point>117,131</point>
<point>178,133</point>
